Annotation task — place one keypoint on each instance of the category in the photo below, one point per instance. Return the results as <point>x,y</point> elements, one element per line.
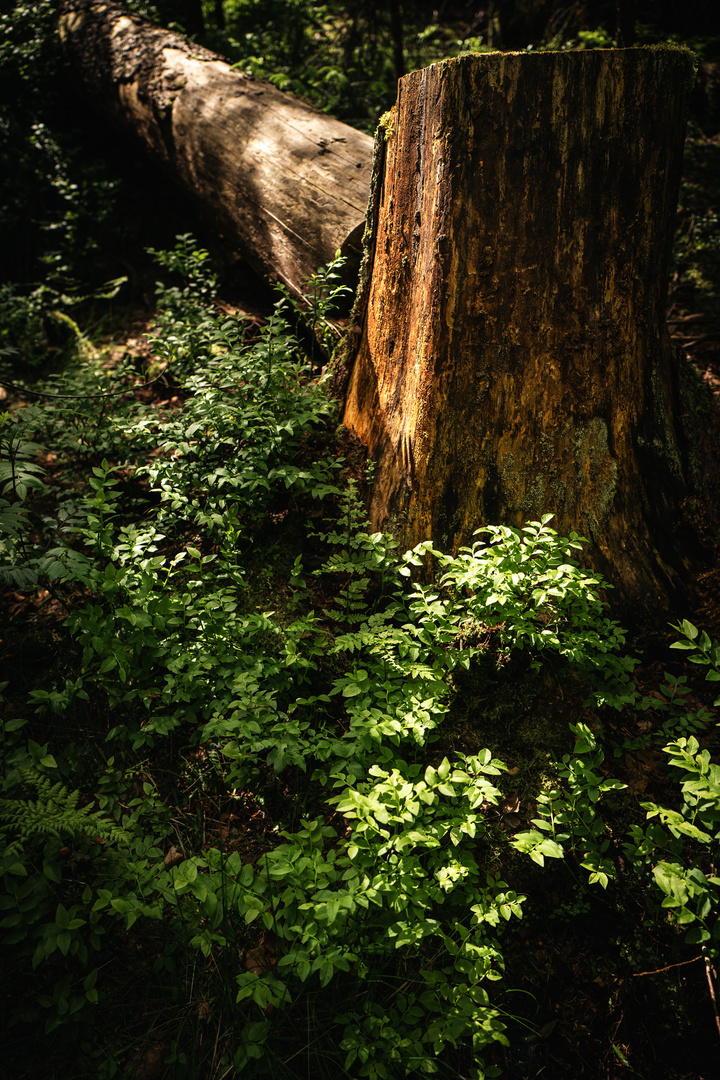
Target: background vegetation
<point>271,806</point>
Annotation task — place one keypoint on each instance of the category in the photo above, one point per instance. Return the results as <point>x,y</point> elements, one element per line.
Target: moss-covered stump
<point>510,355</point>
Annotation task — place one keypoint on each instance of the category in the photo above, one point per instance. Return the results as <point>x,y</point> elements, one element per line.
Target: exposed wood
<point>286,183</point>
<point>510,354</point>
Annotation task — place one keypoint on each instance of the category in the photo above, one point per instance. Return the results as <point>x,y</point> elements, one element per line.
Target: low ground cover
<point>275,803</point>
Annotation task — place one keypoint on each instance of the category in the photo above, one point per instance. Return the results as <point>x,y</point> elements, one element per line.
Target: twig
<point>711,987</point>
<point>108,393</point>
<point>688,342</point>
<point>177,833</point>
<point>699,317</point>
<point>637,974</point>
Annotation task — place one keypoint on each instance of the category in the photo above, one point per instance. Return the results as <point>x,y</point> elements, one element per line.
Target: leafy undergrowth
<point>275,806</point>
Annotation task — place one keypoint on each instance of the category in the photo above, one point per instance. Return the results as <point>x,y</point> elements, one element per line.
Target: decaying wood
<point>510,354</point>
<point>287,183</point>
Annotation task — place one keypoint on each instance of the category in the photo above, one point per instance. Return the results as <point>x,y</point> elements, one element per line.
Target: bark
<point>510,355</point>
<point>285,183</point>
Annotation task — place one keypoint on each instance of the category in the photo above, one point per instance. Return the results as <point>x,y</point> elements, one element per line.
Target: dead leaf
<point>263,957</point>
<point>511,805</point>
<point>148,1066</point>
<point>173,858</point>
<point>546,1029</point>
<point>640,768</point>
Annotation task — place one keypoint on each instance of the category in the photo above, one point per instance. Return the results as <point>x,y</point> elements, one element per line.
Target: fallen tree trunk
<point>288,184</point>
<point>510,355</point>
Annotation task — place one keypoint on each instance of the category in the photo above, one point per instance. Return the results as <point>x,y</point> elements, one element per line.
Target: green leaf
<point>327,971</point>
<point>64,941</point>
<point>332,908</point>
<point>444,769</point>
<point>551,849</point>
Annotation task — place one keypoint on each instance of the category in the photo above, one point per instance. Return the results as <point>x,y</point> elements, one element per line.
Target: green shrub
<point>215,656</point>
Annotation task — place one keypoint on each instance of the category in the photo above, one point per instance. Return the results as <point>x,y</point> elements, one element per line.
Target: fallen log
<point>286,183</point>
<point>510,355</point>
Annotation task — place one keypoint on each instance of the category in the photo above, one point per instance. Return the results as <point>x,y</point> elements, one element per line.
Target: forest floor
<point>582,1003</point>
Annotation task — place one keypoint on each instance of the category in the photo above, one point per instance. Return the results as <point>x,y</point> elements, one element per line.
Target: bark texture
<point>510,354</point>
<point>287,183</point>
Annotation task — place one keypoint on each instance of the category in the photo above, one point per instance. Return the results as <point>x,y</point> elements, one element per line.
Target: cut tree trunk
<point>510,356</point>
<point>288,184</point>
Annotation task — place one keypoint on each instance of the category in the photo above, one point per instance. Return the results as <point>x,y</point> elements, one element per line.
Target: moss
<point>685,56</point>
<point>597,465</point>
<point>386,125</point>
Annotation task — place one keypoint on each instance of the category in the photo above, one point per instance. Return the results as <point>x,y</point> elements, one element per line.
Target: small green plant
<point>323,295</point>
<point>702,650</point>
<point>24,559</point>
<point>679,845</point>
<point>365,562</point>
<point>676,846</point>
<point>569,812</point>
<point>687,840</point>
<point>527,586</point>
<point>19,472</point>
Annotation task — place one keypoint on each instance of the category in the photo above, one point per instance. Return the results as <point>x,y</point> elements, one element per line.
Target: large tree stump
<point>287,184</point>
<point>510,354</point>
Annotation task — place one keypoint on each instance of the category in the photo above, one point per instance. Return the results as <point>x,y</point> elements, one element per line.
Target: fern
<point>18,472</point>
<point>54,812</point>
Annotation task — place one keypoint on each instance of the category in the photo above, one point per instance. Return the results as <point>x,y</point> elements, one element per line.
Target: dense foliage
<point>247,777</point>
<point>278,798</point>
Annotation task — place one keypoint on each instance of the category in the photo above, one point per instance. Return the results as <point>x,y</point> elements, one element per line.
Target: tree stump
<point>509,354</point>
<point>287,184</point>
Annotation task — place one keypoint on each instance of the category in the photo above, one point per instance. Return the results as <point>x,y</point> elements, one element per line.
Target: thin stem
<point>658,971</point>
<point>711,987</point>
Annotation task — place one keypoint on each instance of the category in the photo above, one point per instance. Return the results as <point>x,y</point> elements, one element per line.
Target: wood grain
<point>511,357</point>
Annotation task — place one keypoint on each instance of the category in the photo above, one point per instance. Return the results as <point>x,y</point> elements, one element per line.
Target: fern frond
<point>54,812</point>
